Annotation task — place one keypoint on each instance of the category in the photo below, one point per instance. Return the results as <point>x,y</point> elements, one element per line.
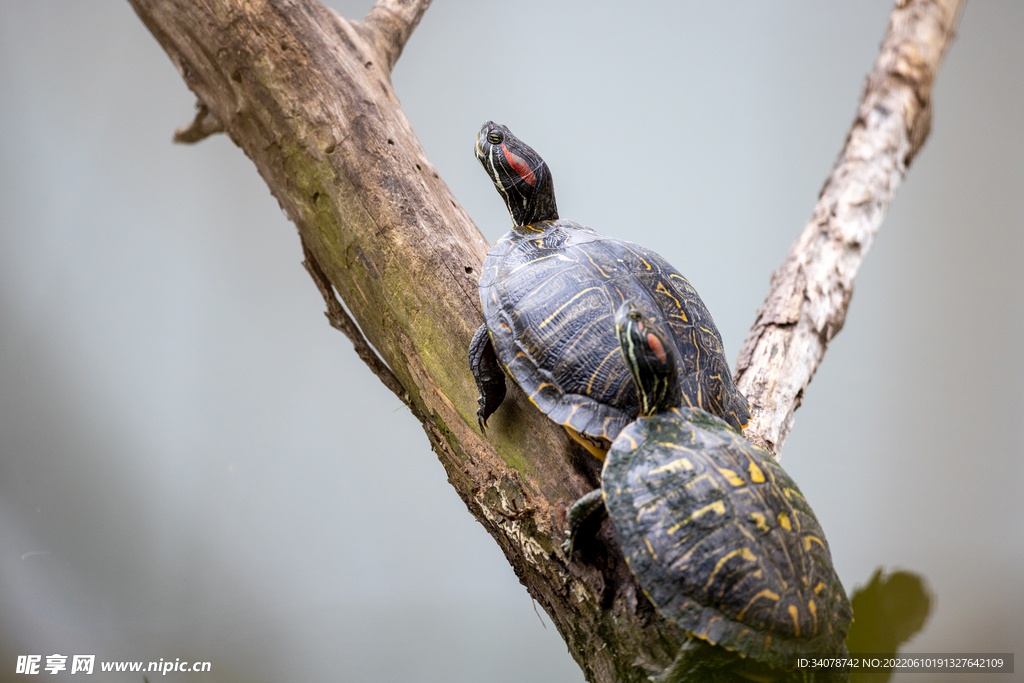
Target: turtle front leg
<point>582,510</point>
<point>698,660</point>
<point>490,378</point>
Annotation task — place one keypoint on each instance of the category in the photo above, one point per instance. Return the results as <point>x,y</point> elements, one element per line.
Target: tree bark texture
<point>810,293</point>
<point>307,95</point>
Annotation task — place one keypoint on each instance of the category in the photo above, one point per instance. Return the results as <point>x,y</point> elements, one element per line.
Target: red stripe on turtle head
<point>655,345</point>
<point>519,166</point>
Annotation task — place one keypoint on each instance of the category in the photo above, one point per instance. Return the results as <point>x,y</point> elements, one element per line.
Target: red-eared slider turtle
<point>716,533</point>
<point>550,289</point>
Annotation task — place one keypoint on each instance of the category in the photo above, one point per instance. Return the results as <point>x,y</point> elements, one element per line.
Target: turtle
<point>549,290</point>
<point>718,536</point>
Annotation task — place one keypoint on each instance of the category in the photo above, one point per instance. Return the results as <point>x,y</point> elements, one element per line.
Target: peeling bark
<point>307,95</point>
<point>810,293</point>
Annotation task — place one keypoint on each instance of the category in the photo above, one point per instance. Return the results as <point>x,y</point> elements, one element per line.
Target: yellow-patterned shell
<point>721,539</point>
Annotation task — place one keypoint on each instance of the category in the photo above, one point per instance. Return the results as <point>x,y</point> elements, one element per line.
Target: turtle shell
<point>721,540</point>
<point>550,291</point>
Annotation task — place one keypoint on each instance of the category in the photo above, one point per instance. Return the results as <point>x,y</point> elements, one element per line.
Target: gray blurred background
<point>194,465</point>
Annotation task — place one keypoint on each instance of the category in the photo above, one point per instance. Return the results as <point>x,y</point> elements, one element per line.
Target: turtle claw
<point>583,509</point>
<point>567,544</point>
<point>489,377</point>
<point>482,414</point>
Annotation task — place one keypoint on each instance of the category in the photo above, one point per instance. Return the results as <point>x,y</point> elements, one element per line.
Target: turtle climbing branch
<point>810,292</point>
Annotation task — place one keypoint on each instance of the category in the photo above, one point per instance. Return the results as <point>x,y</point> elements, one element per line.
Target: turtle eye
<point>495,137</point>
<point>634,315</point>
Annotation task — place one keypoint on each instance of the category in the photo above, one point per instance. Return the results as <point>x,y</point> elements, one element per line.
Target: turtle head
<point>650,357</point>
<point>521,176</point>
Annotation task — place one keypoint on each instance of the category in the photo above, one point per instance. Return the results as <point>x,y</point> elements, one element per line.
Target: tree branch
<point>393,21</point>
<point>307,96</point>
<point>810,293</point>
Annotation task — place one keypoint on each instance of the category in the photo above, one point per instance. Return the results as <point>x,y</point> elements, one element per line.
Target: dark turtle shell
<point>721,539</point>
<point>550,289</point>
<point>549,293</point>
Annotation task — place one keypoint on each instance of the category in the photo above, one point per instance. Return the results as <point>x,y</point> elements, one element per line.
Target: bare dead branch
<point>307,95</point>
<point>810,293</point>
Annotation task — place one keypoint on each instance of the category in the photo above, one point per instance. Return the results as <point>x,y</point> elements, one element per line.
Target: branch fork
<point>307,95</point>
